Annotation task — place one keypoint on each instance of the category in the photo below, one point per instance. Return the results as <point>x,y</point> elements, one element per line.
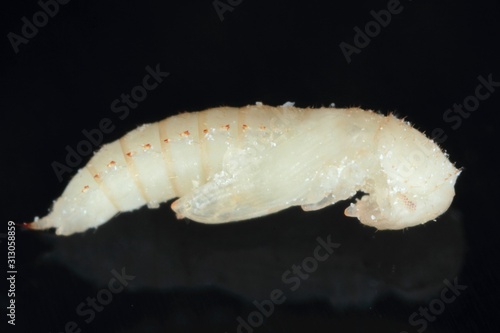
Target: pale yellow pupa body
<point>230,164</point>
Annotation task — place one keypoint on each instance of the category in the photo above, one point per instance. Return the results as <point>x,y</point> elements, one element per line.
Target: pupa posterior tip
<point>25,225</point>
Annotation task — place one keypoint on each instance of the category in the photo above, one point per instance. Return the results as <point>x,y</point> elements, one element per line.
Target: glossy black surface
<point>181,276</point>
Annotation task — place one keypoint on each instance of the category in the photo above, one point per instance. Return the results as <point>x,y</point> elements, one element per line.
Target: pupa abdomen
<point>230,164</point>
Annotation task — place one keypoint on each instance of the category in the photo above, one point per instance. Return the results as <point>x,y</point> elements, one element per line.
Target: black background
<point>192,277</point>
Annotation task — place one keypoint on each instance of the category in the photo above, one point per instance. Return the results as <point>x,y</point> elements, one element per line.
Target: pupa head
<point>414,181</point>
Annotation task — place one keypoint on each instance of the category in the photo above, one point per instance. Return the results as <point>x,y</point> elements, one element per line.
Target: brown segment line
<point>98,180</point>
<point>241,124</point>
<point>132,169</point>
<point>167,155</point>
<point>202,127</point>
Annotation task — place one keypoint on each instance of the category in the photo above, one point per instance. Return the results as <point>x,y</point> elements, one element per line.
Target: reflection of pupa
<point>230,164</point>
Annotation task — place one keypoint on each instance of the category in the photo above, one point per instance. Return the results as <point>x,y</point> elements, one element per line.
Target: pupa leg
<point>223,199</point>
<point>326,201</point>
<point>248,188</point>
